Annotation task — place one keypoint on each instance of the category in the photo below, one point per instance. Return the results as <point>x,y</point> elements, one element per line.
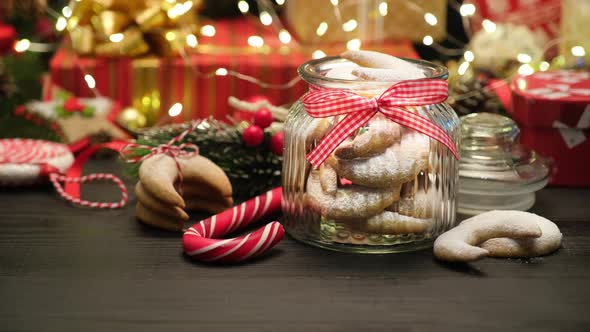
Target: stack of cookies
<point>377,181</point>
<point>161,203</point>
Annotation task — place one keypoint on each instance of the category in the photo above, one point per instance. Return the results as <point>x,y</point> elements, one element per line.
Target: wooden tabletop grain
<point>64,268</point>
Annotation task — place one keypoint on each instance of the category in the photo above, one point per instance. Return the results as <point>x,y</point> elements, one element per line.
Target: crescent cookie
<point>394,223</point>
<point>374,59</point>
<point>159,173</point>
<point>549,242</point>
<point>460,243</point>
<point>151,202</point>
<point>194,191</point>
<point>156,219</point>
<point>399,163</point>
<point>380,134</point>
<point>350,202</point>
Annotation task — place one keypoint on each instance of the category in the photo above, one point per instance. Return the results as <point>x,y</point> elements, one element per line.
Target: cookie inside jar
<point>357,176</point>
<point>374,187</point>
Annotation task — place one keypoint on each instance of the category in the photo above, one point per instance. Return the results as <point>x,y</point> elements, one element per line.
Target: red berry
<point>277,142</point>
<point>72,104</point>
<point>253,136</point>
<point>263,118</point>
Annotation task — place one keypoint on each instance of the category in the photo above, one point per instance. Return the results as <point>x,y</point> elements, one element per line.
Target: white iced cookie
<point>350,202</point>
<point>460,243</point>
<point>549,242</point>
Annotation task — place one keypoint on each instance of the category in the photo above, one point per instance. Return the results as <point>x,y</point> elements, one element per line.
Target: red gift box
<point>553,112</point>
<point>538,15</point>
<point>200,82</point>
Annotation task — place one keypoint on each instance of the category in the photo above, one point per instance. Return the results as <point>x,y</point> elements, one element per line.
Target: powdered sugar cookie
<point>394,223</point>
<point>372,59</point>
<point>397,164</point>
<point>350,202</point>
<point>460,243</point>
<point>328,178</point>
<point>387,75</point>
<point>380,134</point>
<point>549,242</point>
<point>375,66</point>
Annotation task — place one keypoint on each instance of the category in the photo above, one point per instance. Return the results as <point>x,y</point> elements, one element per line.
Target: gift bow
<point>175,151</point>
<point>321,103</point>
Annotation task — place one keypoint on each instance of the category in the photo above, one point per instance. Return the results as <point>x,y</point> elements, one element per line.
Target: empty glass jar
<point>386,188</point>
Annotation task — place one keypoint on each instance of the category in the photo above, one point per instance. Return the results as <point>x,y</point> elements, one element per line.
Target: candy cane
<point>201,241</point>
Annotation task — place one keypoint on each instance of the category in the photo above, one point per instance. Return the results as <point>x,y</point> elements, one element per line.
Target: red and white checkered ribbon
<point>128,153</point>
<point>321,103</point>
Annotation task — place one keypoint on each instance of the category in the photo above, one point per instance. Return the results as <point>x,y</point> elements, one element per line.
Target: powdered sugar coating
<point>460,243</point>
<point>350,202</point>
<point>397,164</point>
<point>388,75</point>
<point>389,222</point>
<point>544,245</point>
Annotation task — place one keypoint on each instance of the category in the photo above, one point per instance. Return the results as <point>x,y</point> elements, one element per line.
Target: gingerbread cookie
<point>151,202</point>
<point>460,243</point>
<point>159,173</point>
<point>156,219</point>
<point>350,202</point>
<point>211,206</point>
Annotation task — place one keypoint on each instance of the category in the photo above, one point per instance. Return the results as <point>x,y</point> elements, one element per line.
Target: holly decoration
<point>252,170</point>
<point>253,136</point>
<point>71,106</point>
<point>263,118</point>
<point>277,142</point>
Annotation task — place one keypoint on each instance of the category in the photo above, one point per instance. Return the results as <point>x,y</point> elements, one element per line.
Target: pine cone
<point>470,96</point>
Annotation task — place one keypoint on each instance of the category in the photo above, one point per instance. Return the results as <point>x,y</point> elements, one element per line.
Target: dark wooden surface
<point>64,268</point>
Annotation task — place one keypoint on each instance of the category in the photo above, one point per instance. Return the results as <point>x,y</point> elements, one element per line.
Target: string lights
<point>268,17</point>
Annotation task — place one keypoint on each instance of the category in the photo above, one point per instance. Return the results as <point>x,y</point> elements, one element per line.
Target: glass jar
<point>496,172</point>
<point>386,188</point>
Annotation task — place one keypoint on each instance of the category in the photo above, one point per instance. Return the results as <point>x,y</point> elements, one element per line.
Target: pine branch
<point>251,171</point>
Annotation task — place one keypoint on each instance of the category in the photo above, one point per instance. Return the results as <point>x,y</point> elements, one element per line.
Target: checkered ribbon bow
<point>358,110</point>
<point>129,154</point>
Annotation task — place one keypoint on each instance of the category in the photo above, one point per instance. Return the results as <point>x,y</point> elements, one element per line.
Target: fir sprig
<point>251,170</point>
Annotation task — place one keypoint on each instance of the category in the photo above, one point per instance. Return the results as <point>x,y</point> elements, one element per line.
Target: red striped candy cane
<point>201,241</point>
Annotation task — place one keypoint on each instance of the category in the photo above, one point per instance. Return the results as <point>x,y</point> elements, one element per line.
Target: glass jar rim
<point>311,70</point>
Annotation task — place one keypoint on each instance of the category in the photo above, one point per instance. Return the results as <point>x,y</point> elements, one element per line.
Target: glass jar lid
<point>495,171</point>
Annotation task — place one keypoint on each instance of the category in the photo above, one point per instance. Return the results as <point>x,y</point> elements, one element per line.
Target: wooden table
<point>64,268</point>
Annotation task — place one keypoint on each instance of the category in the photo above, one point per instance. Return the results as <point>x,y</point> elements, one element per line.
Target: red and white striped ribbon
<point>128,153</point>
<point>56,178</point>
<point>321,103</point>
<point>201,241</point>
